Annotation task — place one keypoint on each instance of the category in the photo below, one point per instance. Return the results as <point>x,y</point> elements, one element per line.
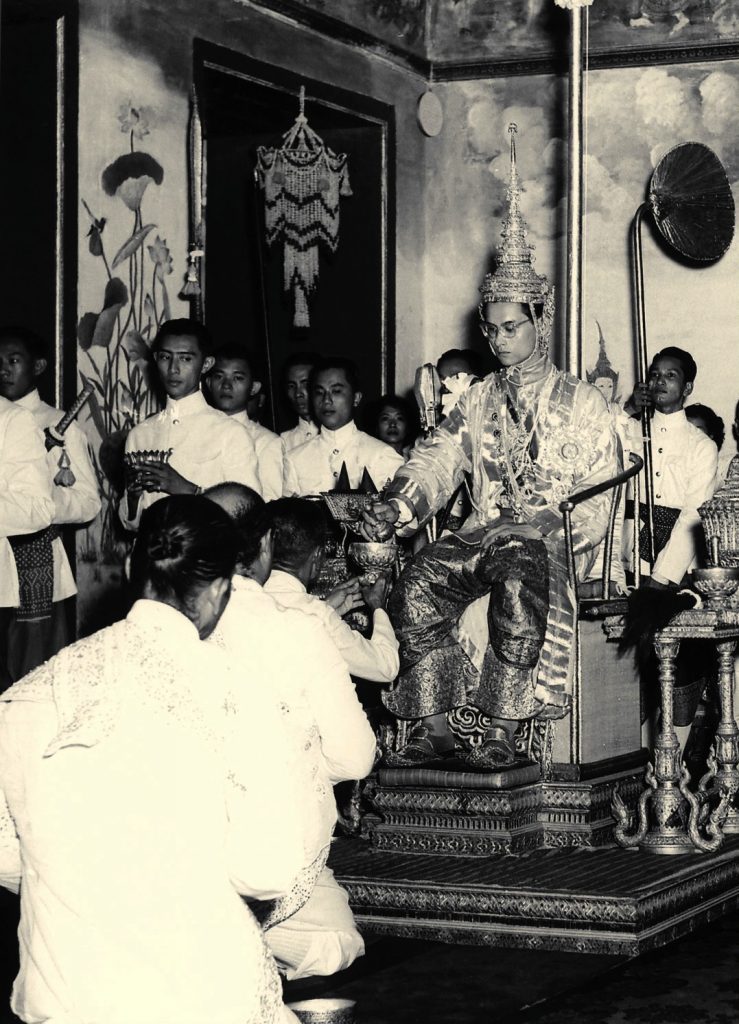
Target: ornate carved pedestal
<point>671,818</point>
<point>723,774</point>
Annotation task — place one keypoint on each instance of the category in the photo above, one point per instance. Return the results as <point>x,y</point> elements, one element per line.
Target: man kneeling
<point>327,738</point>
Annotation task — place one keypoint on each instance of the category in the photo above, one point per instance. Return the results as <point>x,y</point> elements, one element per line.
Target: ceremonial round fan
<point>693,209</point>
<point>691,201</point>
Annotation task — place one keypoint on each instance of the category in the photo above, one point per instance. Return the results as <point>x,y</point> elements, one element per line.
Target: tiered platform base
<point>595,900</point>
<point>444,809</point>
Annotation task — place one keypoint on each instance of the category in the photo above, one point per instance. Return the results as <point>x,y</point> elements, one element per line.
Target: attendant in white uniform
<point>23,361</point>
<point>684,472</point>
<point>26,509</point>
<point>311,931</point>
<point>141,792</point>
<point>704,418</point>
<point>296,375</point>
<point>299,537</point>
<point>231,385</point>
<point>316,465</point>
<point>684,462</point>
<point>207,446</point>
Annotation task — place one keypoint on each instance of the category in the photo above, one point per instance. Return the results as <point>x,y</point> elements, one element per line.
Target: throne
<point>558,792</point>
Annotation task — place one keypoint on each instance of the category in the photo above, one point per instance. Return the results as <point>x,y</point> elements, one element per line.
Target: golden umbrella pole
<point>576,132</point>
<point>642,364</point>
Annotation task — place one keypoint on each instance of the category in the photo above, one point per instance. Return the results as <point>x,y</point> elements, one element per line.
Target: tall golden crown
<point>515,279</point>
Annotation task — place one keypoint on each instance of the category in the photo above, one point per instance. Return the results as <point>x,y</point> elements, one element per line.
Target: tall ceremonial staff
<point>575,147</point>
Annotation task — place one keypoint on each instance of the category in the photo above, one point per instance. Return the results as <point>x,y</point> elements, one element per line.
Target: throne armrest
<point>615,484</point>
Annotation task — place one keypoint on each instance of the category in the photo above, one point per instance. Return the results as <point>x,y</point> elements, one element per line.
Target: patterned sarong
<point>34,562</point>
<point>664,519</point>
<point>426,605</point>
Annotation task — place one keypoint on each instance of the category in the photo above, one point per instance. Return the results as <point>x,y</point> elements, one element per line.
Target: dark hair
<point>408,409</point>
<point>465,355</point>
<point>233,350</point>
<point>184,328</point>
<point>299,526</point>
<point>337,363</point>
<point>299,359</point>
<point>687,363</point>
<point>714,423</point>
<point>248,513</point>
<point>33,343</point>
<point>184,543</point>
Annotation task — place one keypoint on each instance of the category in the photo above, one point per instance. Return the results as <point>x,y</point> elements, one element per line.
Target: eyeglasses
<point>509,329</point>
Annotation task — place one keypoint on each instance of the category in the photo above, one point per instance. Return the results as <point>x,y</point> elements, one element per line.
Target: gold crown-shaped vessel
<point>720,517</point>
<point>146,457</point>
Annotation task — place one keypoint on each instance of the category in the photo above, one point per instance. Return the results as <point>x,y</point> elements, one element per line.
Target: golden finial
<point>515,280</point>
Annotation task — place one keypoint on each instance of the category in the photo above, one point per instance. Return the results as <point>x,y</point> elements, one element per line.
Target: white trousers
<point>321,937</point>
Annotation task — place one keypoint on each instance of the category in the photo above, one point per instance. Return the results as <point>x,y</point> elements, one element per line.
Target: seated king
<point>485,616</point>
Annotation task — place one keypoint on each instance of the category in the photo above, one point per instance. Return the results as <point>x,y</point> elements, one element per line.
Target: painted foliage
<point>114,343</point>
<point>132,233</point>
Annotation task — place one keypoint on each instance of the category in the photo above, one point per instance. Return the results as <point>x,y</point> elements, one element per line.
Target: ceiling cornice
<point>475,68</point>
<point>341,32</point>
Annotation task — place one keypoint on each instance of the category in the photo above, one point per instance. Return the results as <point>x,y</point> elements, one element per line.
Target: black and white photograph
<point>369,512</point>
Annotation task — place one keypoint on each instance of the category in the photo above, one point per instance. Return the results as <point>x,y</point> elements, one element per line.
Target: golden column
<point>576,147</point>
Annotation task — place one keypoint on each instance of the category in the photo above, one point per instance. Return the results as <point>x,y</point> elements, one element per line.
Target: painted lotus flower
<point>135,121</point>
<point>130,175</point>
<point>136,346</point>
<point>161,257</point>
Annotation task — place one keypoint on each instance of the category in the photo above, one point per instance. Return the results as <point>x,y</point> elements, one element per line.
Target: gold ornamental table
<point>672,818</point>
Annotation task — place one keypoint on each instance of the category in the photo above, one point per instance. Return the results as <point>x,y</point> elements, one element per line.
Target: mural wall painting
<point>454,33</point>
<point>114,343</point>
<point>524,29</point>
<point>132,260</point>
<point>634,115</point>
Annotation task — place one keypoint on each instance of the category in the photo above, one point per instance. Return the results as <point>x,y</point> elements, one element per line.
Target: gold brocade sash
<point>34,563</point>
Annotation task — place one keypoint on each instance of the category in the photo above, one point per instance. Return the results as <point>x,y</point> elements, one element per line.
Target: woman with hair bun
<point>139,799</point>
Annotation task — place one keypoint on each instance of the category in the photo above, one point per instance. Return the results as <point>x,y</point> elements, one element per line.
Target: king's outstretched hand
<point>378,521</point>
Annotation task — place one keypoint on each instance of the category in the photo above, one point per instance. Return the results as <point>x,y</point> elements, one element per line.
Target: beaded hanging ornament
<point>303,182</point>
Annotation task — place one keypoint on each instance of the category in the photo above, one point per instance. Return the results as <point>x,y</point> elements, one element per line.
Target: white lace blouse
<point>138,798</point>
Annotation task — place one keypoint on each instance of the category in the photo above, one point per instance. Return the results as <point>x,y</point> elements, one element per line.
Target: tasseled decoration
<point>65,477</point>
<point>303,181</point>
<point>191,287</point>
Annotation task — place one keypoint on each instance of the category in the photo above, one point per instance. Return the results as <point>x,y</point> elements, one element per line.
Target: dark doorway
<point>245,104</point>
<point>38,58</point>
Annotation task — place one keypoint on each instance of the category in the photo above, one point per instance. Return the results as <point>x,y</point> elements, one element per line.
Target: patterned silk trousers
<point>426,605</point>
